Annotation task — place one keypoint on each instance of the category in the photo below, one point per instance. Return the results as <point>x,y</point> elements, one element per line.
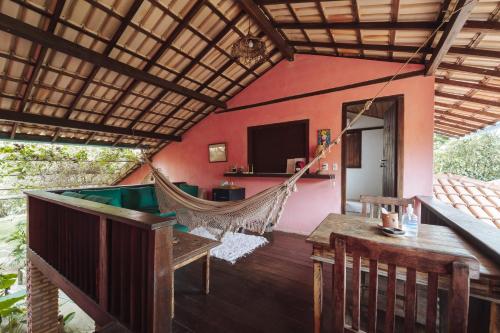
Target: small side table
<point>228,193</point>
<point>188,249</point>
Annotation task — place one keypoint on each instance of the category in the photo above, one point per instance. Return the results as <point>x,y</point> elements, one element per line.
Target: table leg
<point>318,294</point>
<point>206,274</point>
<point>494,317</point>
<point>172,306</point>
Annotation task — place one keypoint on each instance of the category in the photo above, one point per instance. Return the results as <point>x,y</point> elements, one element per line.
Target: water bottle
<point>410,222</point>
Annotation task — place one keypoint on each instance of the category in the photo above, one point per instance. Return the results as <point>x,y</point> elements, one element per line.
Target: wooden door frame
<point>399,142</point>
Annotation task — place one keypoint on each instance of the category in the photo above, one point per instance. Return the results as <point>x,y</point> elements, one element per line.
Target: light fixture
<point>249,50</point>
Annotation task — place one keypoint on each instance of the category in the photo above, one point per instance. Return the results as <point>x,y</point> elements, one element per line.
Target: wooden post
<point>102,272</point>
<point>206,274</point>
<point>458,307</point>
<point>317,293</point>
<point>160,277</point>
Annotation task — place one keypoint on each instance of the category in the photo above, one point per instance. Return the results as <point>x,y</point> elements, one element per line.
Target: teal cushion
<point>114,193</point>
<point>139,198</point>
<point>167,214</point>
<point>100,199</point>
<point>151,210</point>
<point>181,227</point>
<point>189,189</point>
<point>73,194</point>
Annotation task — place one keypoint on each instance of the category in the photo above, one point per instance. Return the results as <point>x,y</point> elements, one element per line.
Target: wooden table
<point>190,248</point>
<point>485,279</point>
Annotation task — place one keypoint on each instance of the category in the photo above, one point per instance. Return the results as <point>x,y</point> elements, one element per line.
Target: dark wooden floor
<point>269,291</point>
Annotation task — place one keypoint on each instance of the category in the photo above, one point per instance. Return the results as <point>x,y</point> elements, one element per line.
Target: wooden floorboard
<point>268,291</point>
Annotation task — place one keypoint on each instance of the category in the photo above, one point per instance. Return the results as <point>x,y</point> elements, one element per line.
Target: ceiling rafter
<point>470,69</point>
<point>265,25</point>
<point>394,19</point>
<point>471,85</point>
<point>462,117</point>
<point>191,65</point>
<point>242,76</point>
<point>59,5</point>
<point>319,7</point>
<point>468,99</point>
<point>373,47</point>
<point>109,47</point>
<point>484,26</point>
<point>164,46</point>
<point>26,31</point>
<point>468,110</point>
<point>355,10</point>
<point>452,29</point>
<point>32,118</point>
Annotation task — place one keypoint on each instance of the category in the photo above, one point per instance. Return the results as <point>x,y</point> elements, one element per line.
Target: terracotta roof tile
<point>477,198</point>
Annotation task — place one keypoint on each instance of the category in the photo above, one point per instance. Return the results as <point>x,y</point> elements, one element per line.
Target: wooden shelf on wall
<point>277,175</point>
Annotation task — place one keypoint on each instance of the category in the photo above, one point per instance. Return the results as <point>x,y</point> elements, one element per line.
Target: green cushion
<point>139,198</point>
<point>73,194</point>
<point>151,210</point>
<point>114,193</point>
<point>181,227</point>
<point>167,214</point>
<point>189,189</point>
<point>100,199</point>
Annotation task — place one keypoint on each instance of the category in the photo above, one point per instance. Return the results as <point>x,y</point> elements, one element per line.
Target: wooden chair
<point>432,263</point>
<point>391,204</point>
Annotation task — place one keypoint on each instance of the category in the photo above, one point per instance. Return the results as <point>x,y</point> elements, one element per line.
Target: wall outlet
<point>335,167</point>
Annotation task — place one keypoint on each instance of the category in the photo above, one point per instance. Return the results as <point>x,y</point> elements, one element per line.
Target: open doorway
<point>372,149</point>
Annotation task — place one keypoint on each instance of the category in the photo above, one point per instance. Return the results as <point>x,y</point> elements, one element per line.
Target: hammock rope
<point>263,210</point>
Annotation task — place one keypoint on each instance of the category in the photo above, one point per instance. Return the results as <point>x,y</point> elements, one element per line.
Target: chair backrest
<point>434,264</point>
<point>371,205</point>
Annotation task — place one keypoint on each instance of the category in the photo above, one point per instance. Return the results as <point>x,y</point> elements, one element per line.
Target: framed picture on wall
<point>217,152</point>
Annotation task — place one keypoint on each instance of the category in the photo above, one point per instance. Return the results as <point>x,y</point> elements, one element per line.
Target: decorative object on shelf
<point>249,50</point>
<point>293,163</point>
<point>217,152</point>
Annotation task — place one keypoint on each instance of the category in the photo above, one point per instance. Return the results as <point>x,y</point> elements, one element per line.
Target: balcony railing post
<point>160,277</point>
<point>102,271</point>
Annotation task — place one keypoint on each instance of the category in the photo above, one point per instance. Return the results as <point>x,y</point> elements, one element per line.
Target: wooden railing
<point>115,263</point>
<point>483,237</point>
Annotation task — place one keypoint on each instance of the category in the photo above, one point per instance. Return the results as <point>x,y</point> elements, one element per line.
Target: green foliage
<point>18,238</point>
<point>476,156</point>
<point>11,312</point>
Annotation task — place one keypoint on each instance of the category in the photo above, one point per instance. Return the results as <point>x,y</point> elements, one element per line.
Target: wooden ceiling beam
<point>327,54</point>
<point>462,117</point>
<point>253,10</point>
<point>165,45</point>
<point>493,115</point>
<point>470,69</point>
<point>446,132</point>
<point>468,99</point>
<point>457,124</point>
<point>452,29</point>
<point>112,43</point>
<point>373,47</point>
<point>484,26</point>
<point>471,85</point>
<point>32,118</point>
<point>188,68</point>
<point>358,25</point>
<point>41,54</point>
<point>26,31</point>
<point>475,52</point>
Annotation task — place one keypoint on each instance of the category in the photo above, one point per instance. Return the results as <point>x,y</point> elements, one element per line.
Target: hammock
<point>257,214</point>
<point>261,211</point>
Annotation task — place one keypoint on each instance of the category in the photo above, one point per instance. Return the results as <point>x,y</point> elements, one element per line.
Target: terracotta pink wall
<point>188,160</point>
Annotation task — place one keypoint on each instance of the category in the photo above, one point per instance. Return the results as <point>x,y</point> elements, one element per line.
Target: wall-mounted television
<point>270,146</point>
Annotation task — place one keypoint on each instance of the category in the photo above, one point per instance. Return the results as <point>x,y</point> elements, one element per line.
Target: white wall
<point>368,178</point>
